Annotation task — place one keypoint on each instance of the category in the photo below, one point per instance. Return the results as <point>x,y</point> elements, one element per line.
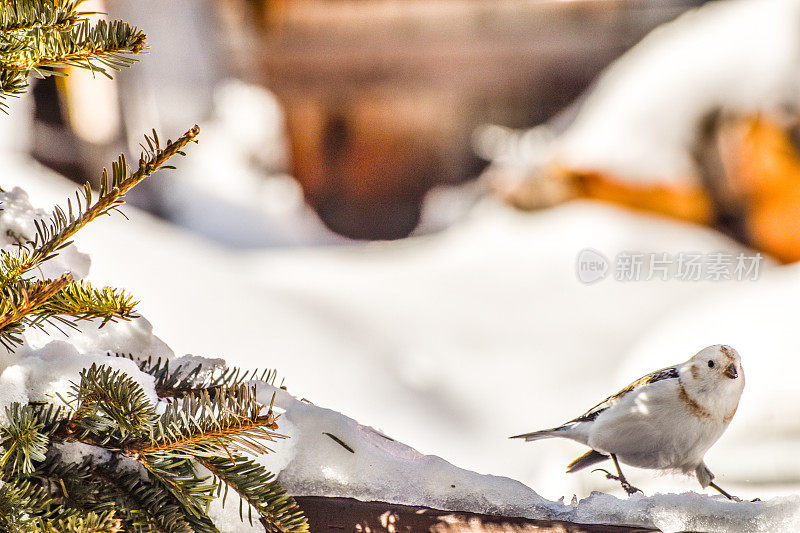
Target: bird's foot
<point>630,489</point>
<point>737,499</point>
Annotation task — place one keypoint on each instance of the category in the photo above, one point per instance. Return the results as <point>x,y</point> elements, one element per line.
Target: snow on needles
<point>330,454</point>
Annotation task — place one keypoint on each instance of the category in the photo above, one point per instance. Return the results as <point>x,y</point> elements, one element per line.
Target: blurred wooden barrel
<point>382,96</point>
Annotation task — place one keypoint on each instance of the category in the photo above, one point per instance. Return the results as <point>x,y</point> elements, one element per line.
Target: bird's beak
<point>730,371</point>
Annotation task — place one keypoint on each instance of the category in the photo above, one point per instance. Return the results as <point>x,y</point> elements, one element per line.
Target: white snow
<point>690,512</point>
<point>17,220</point>
<point>450,342</point>
<point>48,373</point>
<point>262,206</point>
<point>642,117</point>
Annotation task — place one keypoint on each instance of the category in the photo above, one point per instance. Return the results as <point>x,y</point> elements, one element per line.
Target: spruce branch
<point>17,15</point>
<point>181,381</point>
<point>38,37</point>
<point>202,426</point>
<point>278,512</point>
<point>193,493</point>
<point>12,83</point>
<point>81,488</point>
<point>22,440</point>
<point>143,504</point>
<point>105,45</point>
<point>110,406</point>
<point>153,480</point>
<point>92,522</point>
<point>55,234</point>
<point>25,302</point>
<point>20,503</point>
<point>110,410</point>
<point>81,301</point>
<point>20,300</point>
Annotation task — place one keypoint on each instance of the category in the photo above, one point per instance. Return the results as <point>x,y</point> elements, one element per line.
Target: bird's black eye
<point>711,364</point>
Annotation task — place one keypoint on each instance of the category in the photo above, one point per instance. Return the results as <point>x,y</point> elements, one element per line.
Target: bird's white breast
<point>654,427</point>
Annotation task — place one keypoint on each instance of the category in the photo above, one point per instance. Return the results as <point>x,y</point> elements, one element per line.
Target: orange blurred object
<point>749,185</point>
<point>767,171</point>
<point>686,202</point>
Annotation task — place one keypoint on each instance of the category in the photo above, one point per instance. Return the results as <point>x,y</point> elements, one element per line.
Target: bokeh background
<point>389,198</point>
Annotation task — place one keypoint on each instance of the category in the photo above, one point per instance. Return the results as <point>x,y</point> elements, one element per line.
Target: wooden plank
<point>335,515</point>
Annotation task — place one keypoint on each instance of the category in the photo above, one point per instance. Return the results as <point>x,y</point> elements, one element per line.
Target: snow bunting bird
<point>666,420</point>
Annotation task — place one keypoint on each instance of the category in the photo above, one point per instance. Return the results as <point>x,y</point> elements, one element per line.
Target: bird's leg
<point>729,496</point>
<point>630,489</point>
<point>706,479</point>
<point>721,491</point>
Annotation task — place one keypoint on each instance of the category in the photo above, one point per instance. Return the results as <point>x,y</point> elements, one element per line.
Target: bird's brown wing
<point>659,375</point>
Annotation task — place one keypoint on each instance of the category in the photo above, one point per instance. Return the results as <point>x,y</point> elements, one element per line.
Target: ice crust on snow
<point>360,462</point>
<point>368,465</point>
<point>689,512</point>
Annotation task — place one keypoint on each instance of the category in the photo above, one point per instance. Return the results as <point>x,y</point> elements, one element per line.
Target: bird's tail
<point>543,434</point>
<point>588,459</point>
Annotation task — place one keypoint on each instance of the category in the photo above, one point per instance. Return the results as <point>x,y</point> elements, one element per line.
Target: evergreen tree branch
<point>81,301</point>
<point>20,502</point>
<point>106,522</point>
<point>177,475</point>
<point>111,405</point>
<point>22,299</point>
<point>180,381</point>
<point>94,47</point>
<point>152,481</point>
<point>111,411</point>
<point>12,83</point>
<point>202,426</point>
<point>142,504</point>
<point>278,512</point>
<point>37,37</point>
<point>18,15</point>
<point>54,235</point>
<point>85,487</point>
<point>22,440</point>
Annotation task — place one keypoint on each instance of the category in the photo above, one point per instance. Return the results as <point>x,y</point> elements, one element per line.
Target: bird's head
<point>715,377</point>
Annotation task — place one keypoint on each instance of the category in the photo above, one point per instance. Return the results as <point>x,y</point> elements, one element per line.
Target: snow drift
<point>330,454</point>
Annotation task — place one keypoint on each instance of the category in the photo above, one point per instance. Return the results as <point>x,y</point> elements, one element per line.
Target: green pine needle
<point>111,406</point>
<point>37,37</point>
<point>180,381</point>
<point>22,440</point>
<point>257,488</point>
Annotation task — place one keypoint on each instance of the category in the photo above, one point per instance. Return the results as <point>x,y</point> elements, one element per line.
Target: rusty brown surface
<point>382,96</point>
<point>346,515</point>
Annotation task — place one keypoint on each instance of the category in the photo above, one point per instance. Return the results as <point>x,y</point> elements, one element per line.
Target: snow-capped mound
<point>644,114</point>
